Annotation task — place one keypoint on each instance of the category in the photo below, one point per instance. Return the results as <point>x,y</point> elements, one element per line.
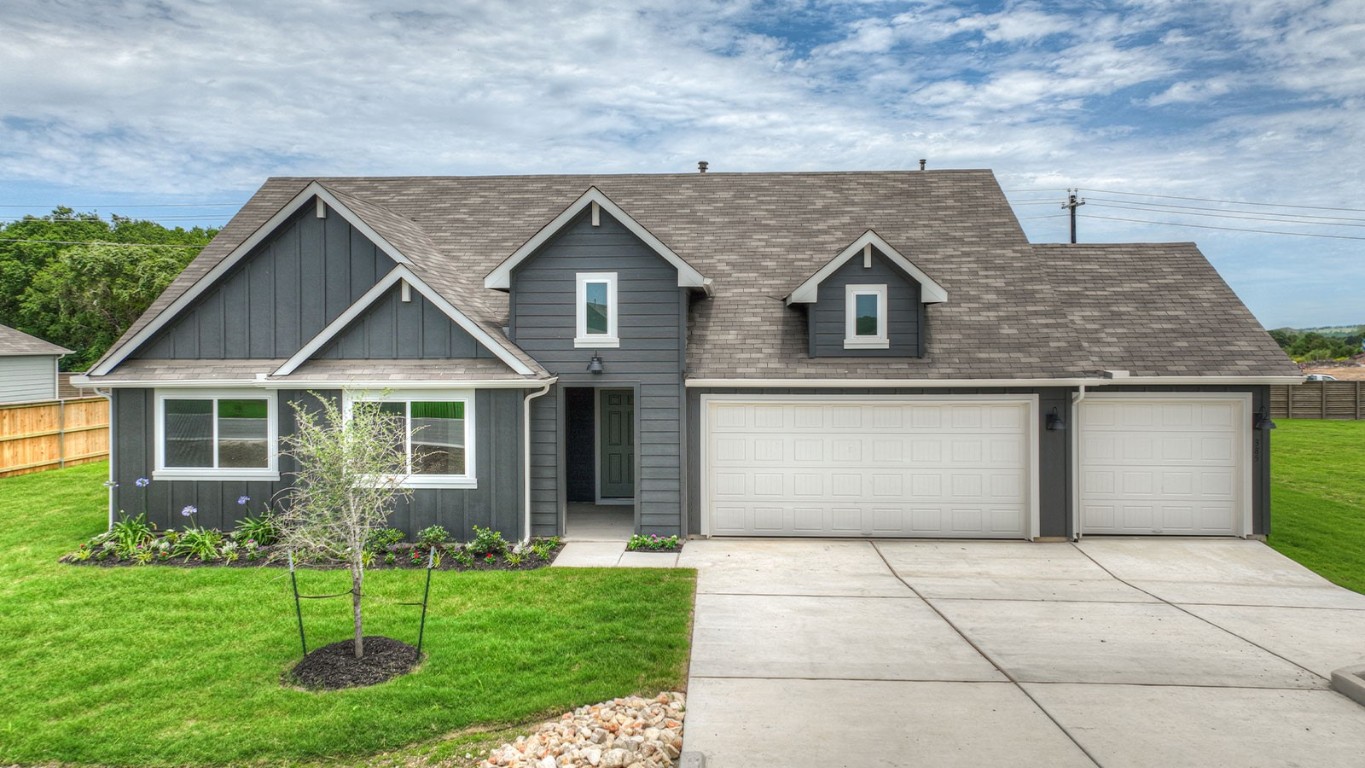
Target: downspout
<point>1076,463</point>
<point>108,394</point>
<point>526,455</point>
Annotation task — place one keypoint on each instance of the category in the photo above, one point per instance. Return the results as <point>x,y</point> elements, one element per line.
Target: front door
<point>617,418</point>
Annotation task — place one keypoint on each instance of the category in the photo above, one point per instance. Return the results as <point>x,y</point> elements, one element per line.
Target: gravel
<point>622,733</point>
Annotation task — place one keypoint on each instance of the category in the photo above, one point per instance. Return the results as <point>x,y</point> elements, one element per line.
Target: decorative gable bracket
<point>930,291</point>
<point>688,277</point>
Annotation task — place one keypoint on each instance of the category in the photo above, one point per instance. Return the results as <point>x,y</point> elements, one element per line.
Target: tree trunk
<point>357,578</point>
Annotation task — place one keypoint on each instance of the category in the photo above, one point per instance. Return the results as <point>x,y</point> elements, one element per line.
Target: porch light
<point>1055,422</point>
<point>1262,421</point>
<point>595,364</point>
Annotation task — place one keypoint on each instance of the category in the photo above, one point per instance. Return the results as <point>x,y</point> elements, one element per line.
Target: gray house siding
<point>827,318</point>
<point>28,377</point>
<point>495,503</point>
<point>1054,447</point>
<point>394,329</point>
<point>651,307</point>
<point>279,296</point>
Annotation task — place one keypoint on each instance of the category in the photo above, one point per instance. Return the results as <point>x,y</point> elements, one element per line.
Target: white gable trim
<point>382,287</point>
<point>501,277</point>
<point>930,291</point>
<point>201,285</point>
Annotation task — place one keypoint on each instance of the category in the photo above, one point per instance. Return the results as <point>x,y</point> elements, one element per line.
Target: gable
<point>904,310</point>
<point>930,291</point>
<point>282,293</point>
<point>393,329</point>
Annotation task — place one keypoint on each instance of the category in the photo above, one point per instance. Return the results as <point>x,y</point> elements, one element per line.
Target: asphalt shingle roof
<point>1015,310</point>
<point>15,343</point>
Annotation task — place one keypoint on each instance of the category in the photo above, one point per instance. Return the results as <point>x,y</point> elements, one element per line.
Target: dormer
<point>868,301</point>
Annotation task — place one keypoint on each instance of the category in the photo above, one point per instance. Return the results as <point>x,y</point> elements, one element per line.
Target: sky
<point>1177,121</point>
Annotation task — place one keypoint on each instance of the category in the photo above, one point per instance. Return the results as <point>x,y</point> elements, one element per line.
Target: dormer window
<point>596,310</point>
<point>865,323</point>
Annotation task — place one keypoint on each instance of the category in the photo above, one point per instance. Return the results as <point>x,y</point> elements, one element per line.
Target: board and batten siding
<point>279,296</point>
<point>25,378</point>
<point>904,312</point>
<point>495,503</point>
<point>650,319</point>
<point>395,329</point>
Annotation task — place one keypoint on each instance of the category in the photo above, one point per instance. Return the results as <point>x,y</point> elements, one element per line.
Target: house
<point>28,367</point>
<point>774,354</point>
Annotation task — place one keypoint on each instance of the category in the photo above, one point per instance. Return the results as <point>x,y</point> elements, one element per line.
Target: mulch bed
<point>402,561</point>
<point>335,666</point>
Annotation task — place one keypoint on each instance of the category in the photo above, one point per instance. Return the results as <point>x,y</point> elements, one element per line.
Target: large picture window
<point>438,434</point>
<point>596,297</point>
<point>215,435</point>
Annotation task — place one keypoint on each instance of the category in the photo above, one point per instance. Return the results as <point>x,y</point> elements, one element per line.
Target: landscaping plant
<point>351,469</point>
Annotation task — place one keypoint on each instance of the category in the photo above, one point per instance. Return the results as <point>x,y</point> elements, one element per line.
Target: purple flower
<point>242,500</point>
<point>142,482</point>
<point>189,509</point>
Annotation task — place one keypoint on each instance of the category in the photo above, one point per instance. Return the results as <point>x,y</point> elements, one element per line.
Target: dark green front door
<point>617,425</point>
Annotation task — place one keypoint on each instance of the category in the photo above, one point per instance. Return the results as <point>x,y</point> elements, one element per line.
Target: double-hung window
<point>438,434</point>
<point>865,319</point>
<point>216,435</point>
<point>596,309</point>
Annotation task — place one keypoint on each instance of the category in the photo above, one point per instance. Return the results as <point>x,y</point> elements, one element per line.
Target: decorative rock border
<point>632,732</point>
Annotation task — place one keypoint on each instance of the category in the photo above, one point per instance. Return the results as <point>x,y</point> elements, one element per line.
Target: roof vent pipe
<point>922,161</point>
<point>701,166</point>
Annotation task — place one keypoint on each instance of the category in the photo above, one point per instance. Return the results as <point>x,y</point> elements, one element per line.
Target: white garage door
<point>1163,465</point>
<point>895,467</point>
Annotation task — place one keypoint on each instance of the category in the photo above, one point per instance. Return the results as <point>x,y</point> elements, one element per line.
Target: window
<point>865,323</point>
<point>438,434</point>
<point>596,298</point>
<point>215,435</point>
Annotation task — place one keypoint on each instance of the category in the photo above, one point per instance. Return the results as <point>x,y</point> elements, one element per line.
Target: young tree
<point>351,469</point>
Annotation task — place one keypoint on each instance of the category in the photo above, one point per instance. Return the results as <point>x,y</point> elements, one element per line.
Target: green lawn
<point>1317,513</point>
<point>162,666</point>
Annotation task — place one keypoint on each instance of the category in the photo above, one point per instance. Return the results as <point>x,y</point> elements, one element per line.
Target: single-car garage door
<point>822,466</point>
<point>1163,465</point>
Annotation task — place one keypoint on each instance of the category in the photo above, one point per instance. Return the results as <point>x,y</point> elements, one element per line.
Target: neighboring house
<point>28,367</point>
<point>776,354</point>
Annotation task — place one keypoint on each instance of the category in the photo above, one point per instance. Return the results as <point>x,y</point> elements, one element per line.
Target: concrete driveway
<point>1117,652</point>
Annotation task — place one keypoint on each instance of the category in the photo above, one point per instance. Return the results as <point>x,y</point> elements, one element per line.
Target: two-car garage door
<point>880,467</point>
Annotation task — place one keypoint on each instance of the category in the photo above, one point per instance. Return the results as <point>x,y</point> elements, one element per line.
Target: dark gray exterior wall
<point>649,360</point>
<point>495,503</point>
<point>279,296</point>
<point>394,329</point>
<point>1055,492</point>
<point>827,316</point>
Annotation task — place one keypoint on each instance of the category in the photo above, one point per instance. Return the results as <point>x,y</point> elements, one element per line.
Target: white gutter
<point>948,383</point>
<point>526,453</point>
<point>85,381</point>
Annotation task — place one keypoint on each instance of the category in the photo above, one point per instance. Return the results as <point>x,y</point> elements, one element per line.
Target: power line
<point>95,242</point>
<point>1230,202</point>
<point>11,220</point>
<point>121,205</point>
<point>1233,215</point>
<point>1174,207</point>
<point>1229,229</point>
<point>1052,216</point>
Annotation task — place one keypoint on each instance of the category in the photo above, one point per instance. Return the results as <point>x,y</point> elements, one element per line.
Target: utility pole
<point>1073,203</point>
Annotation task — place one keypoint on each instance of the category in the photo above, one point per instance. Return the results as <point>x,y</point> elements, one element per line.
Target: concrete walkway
<point>1118,652</point>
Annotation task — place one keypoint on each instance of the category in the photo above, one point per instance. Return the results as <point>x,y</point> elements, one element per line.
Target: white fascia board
<point>930,291</point>
<point>501,277</point>
<point>238,384</point>
<point>942,383</point>
<point>313,189</point>
<point>402,272</point>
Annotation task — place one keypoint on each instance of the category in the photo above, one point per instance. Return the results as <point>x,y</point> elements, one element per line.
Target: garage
<point>1162,464</point>
<point>893,466</point>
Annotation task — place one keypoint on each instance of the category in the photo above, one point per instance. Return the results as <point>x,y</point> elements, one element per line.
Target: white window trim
<point>467,481</point>
<point>851,339</point>
<point>582,339</point>
<point>269,472</point>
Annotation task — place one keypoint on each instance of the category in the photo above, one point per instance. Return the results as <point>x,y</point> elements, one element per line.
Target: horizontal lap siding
<point>28,377</point>
<point>279,296</point>
<point>495,503</point>
<point>649,359</point>
<point>828,318</point>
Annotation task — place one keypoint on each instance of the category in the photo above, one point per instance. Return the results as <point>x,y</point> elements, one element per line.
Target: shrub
<point>384,539</point>
<point>432,536</point>
<point>653,542</point>
<point>487,542</point>
<point>462,557</point>
<point>264,530</point>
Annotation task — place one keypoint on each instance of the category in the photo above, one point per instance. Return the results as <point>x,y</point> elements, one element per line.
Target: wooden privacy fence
<point>58,433</point>
<point>1318,400</point>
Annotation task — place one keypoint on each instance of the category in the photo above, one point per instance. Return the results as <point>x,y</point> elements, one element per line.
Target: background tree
<point>351,469</point>
<point>31,249</point>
